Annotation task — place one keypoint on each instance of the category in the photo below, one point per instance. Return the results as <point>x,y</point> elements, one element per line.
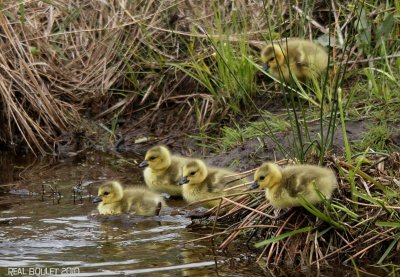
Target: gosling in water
<point>163,171</point>
<point>114,199</point>
<point>200,182</point>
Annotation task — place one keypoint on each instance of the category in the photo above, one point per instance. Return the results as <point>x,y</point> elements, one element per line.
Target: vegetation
<point>63,62</point>
<point>361,221</point>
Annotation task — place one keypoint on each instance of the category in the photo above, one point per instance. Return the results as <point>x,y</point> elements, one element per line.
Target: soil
<point>137,136</point>
<point>253,152</point>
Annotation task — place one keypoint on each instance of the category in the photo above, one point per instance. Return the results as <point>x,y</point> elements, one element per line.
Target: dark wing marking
<point>174,175</point>
<point>215,181</point>
<point>296,181</point>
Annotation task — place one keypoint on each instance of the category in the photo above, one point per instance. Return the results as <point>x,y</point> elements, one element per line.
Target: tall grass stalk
<point>283,236</point>
<point>347,148</point>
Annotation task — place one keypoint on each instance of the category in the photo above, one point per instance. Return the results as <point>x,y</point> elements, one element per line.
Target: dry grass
<point>62,60</point>
<point>55,62</point>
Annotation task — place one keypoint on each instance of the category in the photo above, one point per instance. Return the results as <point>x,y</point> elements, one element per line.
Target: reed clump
<point>65,60</point>
<point>361,223</point>
<point>57,57</point>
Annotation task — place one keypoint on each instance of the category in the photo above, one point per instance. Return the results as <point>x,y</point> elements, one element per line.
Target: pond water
<point>41,236</point>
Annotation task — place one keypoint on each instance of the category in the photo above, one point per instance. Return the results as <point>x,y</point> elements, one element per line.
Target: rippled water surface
<point>49,238</point>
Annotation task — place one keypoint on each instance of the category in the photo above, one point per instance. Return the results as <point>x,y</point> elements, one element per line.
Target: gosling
<point>113,199</point>
<point>284,186</point>
<point>163,170</point>
<point>303,59</point>
<point>200,182</point>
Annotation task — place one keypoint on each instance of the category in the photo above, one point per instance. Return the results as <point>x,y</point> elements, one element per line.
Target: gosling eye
<point>152,158</point>
<point>193,173</point>
<point>262,178</point>
<point>271,59</point>
<point>106,193</point>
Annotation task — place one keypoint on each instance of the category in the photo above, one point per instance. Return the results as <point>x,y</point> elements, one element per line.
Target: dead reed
<point>55,59</point>
<point>62,60</point>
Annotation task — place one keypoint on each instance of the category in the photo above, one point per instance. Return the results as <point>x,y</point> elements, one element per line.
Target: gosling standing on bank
<point>284,186</point>
<point>301,58</point>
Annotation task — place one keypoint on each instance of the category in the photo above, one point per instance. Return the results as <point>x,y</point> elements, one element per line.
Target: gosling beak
<point>97,199</point>
<point>143,164</point>
<point>183,180</point>
<point>265,67</point>
<point>254,185</point>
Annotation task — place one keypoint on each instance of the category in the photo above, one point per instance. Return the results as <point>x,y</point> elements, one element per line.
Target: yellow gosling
<point>303,59</point>
<point>284,186</point>
<point>163,170</point>
<point>113,199</point>
<point>200,182</point>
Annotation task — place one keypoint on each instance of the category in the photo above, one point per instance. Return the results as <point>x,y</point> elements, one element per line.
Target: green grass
<point>283,236</point>
<point>377,137</point>
<point>232,136</point>
<point>224,71</point>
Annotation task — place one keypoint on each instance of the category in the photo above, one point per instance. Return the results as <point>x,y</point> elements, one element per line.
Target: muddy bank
<point>253,152</point>
<point>245,156</point>
<point>248,154</point>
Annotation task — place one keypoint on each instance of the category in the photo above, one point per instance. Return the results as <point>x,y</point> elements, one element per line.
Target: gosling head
<point>157,158</point>
<point>272,57</point>
<point>109,192</point>
<point>267,176</point>
<point>194,172</point>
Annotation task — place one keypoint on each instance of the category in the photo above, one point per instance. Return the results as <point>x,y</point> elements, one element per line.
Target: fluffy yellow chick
<point>283,186</point>
<point>200,182</point>
<point>113,199</point>
<point>163,170</point>
<point>298,57</point>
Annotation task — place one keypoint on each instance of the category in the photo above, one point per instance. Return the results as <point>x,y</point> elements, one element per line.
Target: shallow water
<point>47,238</point>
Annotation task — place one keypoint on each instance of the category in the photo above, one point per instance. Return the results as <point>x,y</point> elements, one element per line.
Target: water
<point>47,238</point>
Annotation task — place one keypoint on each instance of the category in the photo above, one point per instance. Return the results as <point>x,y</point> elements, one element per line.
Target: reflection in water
<point>99,244</point>
<point>43,234</point>
<point>195,257</point>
